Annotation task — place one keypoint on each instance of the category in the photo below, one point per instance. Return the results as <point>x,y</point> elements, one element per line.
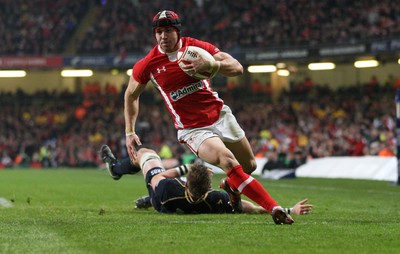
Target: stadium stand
<point>53,129</point>
<point>122,26</point>
<point>247,24</point>
<point>38,27</point>
<point>66,129</point>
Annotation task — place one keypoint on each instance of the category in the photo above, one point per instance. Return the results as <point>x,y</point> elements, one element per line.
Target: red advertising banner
<point>27,61</point>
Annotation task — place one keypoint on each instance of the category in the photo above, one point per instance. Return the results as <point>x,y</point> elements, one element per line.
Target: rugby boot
<point>281,215</point>
<point>143,202</point>
<point>109,159</point>
<point>234,196</point>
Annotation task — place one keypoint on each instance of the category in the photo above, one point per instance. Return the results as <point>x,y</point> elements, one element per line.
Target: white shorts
<point>226,127</point>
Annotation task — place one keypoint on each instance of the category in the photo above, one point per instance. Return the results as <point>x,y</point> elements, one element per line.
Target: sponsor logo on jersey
<point>180,93</point>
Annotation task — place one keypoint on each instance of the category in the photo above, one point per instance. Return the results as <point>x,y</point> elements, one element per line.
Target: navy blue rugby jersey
<point>170,192</point>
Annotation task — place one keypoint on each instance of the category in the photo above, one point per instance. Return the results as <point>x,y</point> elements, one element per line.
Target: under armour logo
<point>162,69</point>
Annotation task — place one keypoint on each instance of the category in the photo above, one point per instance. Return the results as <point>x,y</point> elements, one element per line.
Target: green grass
<point>85,211</point>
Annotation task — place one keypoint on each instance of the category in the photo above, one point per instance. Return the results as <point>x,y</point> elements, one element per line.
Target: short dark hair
<point>199,180</point>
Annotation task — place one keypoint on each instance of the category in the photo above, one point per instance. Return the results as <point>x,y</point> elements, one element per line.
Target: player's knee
<point>146,155</point>
<point>250,167</point>
<point>227,161</point>
<point>143,151</point>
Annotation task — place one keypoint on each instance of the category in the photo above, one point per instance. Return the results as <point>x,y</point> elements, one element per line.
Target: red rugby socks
<point>250,187</point>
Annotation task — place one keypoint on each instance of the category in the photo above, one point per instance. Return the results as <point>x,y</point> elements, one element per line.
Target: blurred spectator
<point>273,162</point>
<point>5,161</point>
<point>295,159</point>
<point>165,152</point>
<point>256,87</point>
<point>396,84</point>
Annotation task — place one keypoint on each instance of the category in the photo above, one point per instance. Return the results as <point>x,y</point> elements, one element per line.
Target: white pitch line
<point>331,188</point>
<point>181,222</point>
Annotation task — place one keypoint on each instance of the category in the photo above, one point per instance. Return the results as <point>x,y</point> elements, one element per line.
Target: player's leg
<point>117,168</point>
<point>151,165</point>
<point>213,151</point>
<point>153,170</point>
<point>235,139</point>
<point>244,154</point>
<point>148,159</point>
<point>153,198</point>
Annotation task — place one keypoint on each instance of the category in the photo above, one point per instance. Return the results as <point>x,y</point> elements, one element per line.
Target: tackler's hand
<point>301,208</point>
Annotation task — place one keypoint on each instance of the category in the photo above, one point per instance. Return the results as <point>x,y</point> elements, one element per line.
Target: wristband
<point>218,67</point>
<point>130,133</point>
<point>288,210</point>
<point>210,70</point>
<point>215,69</point>
<point>183,169</point>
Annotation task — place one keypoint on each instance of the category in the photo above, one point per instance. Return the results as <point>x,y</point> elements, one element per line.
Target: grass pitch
<point>85,211</point>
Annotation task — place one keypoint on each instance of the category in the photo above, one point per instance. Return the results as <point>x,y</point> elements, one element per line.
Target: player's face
<point>167,38</point>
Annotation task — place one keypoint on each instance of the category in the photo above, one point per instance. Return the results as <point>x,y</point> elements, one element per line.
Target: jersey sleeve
<point>140,73</point>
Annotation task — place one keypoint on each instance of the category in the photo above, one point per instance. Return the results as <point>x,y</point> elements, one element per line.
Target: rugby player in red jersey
<point>203,122</point>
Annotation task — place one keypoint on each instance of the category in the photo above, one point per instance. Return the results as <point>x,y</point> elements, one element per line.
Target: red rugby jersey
<point>191,102</point>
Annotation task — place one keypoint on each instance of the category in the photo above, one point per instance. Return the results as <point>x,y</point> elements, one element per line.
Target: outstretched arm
<point>249,207</point>
<point>301,208</point>
<point>131,111</point>
<point>176,171</point>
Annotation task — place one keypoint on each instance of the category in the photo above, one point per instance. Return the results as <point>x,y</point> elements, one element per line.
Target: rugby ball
<point>191,53</point>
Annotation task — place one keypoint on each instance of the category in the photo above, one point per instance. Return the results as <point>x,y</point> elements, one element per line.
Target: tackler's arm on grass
<point>301,208</point>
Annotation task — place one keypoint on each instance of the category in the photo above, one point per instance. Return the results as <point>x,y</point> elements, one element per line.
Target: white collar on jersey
<point>172,55</point>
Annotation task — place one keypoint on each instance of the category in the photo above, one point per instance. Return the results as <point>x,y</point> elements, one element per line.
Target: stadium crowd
<point>39,27</point>
<point>53,129</point>
<point>49,129</point>
<point>233,25</point>
<point>122,26</point>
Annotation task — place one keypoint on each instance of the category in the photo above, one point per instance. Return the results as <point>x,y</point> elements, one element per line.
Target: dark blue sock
<point>124,166</point>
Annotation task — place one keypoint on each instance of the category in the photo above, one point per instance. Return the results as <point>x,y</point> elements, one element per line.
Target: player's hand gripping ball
<point>192,53</point>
